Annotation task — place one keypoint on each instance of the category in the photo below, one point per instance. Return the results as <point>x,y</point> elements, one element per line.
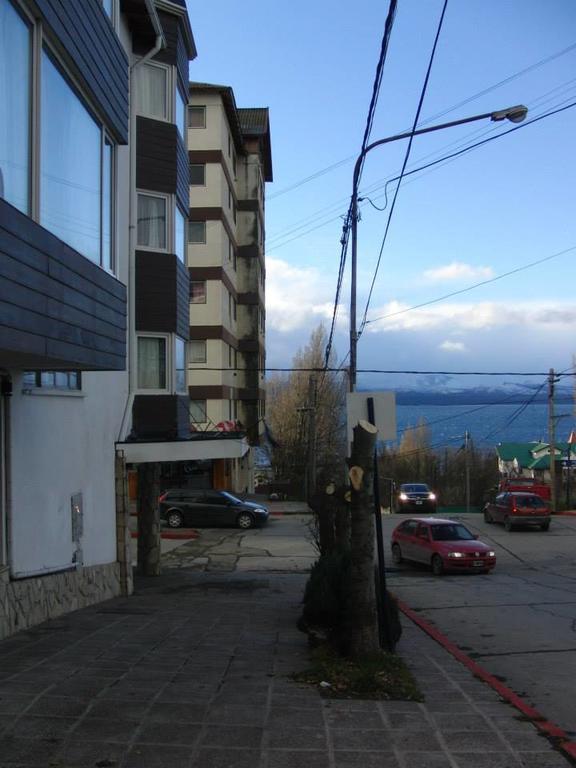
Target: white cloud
<point>466,317</point>
<point>298,297</point>
<point>457,270</point>
<point>452,346</point>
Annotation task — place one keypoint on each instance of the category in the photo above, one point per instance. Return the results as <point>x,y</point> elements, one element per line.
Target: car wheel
<point>174,518</point>
<point>245,520</point>
<point>437,565</point>
<point>545,526</point>
<point>396,554</point>
<point>508,524</point>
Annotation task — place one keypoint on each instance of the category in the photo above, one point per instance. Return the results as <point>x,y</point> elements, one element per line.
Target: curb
<point>549,729</point>
<point>190,534</point>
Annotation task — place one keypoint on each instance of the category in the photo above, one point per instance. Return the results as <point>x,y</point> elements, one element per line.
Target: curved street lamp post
<point>514,114</point>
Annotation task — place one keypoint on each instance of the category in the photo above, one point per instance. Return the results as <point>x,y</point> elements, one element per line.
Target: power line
<point>472,287</point>
<point>381,370</point>
<point>436,116</point>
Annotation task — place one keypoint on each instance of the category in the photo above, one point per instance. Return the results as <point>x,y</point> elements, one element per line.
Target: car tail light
<point>162,497</point>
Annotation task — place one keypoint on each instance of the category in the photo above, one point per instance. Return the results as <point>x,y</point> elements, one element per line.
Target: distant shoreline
<point>474,397</point>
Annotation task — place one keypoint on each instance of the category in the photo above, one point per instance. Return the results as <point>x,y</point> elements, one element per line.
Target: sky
<point>494,210</point>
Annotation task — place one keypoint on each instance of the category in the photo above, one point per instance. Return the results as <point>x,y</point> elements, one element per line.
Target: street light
<point>514,114</point>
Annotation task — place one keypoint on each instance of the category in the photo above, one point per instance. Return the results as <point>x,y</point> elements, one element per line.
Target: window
<point>15,108</point>
<point>62,380</point>
<point>198,175</point>
<point>151,221</point>
<point>198,292</point>
<point>196,117</point>
<point>180,365</point>
<point>152,91</point>
<point>179,239</point>
<point>198,411</point>
<point>75,170</point>
<point>181,114</point>
<point>196,231</point>
<point>198,351</point>
<point>151,362</point>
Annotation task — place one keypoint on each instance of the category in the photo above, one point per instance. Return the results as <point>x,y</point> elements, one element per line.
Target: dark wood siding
<point>162,294</point>
<point>57,309</point>
<point>156,158</point>
<point>175,52</point>
<point>87,41</point>
<point>161,417</point>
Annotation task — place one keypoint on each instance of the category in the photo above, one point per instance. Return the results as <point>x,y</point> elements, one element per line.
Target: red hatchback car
<point>517,508</point>
<point>445,545</point>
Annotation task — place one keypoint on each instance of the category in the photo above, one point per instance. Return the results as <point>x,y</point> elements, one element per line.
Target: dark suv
<point>416,497</point>
<point>184,506</point>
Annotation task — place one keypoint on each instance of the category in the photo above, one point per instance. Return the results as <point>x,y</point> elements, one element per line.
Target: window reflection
<point>14,108</point>
<point>69,166</point>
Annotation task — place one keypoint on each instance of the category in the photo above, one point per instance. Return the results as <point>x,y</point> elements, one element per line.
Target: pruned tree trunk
<point>342,521</point>
<point>362,603</point>
<point>148,520</point>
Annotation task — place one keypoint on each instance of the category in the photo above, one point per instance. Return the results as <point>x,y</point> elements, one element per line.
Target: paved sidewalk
<point>192,671</point>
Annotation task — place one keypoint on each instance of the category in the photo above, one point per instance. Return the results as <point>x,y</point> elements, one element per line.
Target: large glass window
<point>181,114</point>
<point>180,364</point>
<point>196,117</point>
<point>198,292</point>
<point>107,205</point>
<point>70,165</point>
<point>151,362</point>
<point>15,90</point>
<point>151,221</point>
<point>179,236</point>
<point>152,91</point>
<point>198,351</point>
<point>196,231</point>
<point>64,380</point>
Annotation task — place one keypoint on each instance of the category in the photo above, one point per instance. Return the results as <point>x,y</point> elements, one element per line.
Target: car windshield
<point>452,532</point>
<point>415,488</point>
<point>529,501</point>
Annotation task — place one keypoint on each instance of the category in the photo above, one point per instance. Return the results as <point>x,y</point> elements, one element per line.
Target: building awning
<point>184,450</point>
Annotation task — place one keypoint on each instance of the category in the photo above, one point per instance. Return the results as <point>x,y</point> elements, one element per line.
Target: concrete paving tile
<point>86,754</point>
<point>226,758</point>
<point>352,759</point>
<point>16,749</point>
<point>361,739</point>
<point>297,717</point>
<point>176,713</point>
<point>478,741</point>
<point>223,735</point>
<point>120,709</point>
<point>61,706</point>
<point>285,737</point>
<point>248,715</point>
<point>526,742</point>
<point>6,722</point>
<point>100,729</point>
<point>38,727</point>
<point>176,734</point>
<point>158,756</point>
<point>452,721</point>
<point>426,760</point>
<point>14,704</point>
<point>340,718</point>
<point>459,706</point>
<point>412,720</point>
<point>486,760</point>
<point>410,740</point>
<point>511,723</point>
<point>290,759</point>
<point>546,759</point>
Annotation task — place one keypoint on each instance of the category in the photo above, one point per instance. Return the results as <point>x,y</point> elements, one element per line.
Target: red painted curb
<point>506,693</point>
<point>173,535</point>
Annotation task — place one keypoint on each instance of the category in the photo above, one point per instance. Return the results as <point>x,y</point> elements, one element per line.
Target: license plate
<point>418,501</point>
<point>477,563</point>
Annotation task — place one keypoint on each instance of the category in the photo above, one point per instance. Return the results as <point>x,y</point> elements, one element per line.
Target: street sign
<point>384,412</point>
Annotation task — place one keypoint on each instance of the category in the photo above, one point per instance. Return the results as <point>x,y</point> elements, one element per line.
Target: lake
<point>488,425</point>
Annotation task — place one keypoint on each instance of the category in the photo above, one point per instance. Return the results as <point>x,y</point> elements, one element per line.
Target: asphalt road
<point>519,622</point>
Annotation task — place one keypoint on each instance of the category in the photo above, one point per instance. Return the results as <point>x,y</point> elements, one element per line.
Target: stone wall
<point>26,602</point>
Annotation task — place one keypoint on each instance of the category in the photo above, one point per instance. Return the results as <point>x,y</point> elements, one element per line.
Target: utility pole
<point>552,439</point>
<point>311,436</point>
<point>467,467</point>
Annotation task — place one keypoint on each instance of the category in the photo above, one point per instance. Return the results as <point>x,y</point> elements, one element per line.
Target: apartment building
<point>93,206</point>
<point>230,161</point>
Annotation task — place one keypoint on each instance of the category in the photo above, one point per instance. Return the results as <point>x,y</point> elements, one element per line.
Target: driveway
<point>520,621</point>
